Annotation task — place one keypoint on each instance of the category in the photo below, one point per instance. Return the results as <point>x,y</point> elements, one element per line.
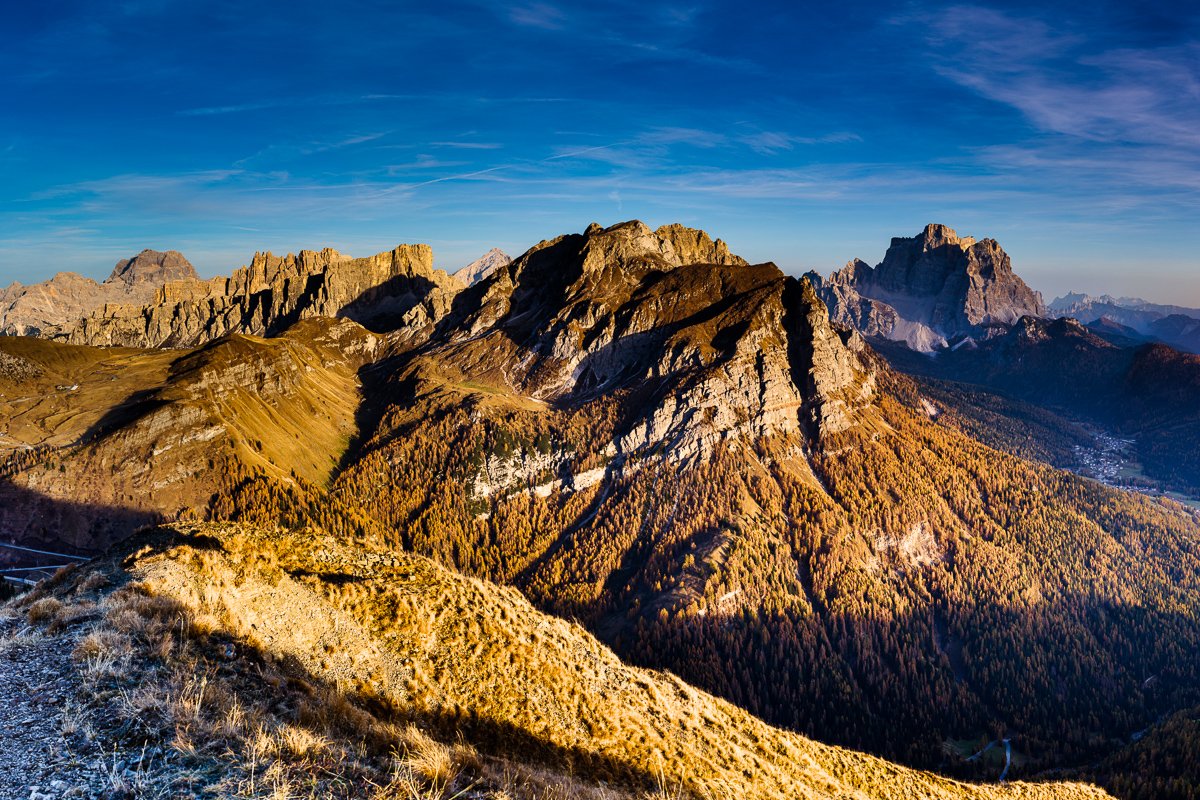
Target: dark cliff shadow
<point>379,309</point>
<point>34,520</point>
<point>543,286</point>
<point>130,410</point>
<point>1070,686</point>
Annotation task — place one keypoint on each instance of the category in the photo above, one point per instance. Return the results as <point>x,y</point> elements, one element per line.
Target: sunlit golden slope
<point>96,439</point>
<point>412,641</point>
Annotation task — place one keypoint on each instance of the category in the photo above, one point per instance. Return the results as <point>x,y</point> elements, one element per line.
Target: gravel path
<point>45,745</point>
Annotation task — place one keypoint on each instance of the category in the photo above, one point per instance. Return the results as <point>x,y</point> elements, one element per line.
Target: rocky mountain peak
<point>634,248</point>
<point>152,267</point>
<point>936,235</point>
<point>694,246</point>
<point>930,288</point>
<point>482,267</point>
<point>708,347</point>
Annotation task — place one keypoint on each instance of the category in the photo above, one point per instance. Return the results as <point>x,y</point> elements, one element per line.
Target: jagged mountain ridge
<point>1132,311</point>
<point>617,307</point>
<point>52,307</point>
<point>384,291</point>
<point>597,493</point>
<point>929,289</point>
<point>1177,326</point>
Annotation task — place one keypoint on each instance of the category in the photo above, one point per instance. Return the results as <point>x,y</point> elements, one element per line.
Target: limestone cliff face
<point>930,288</point>
<point>847,307</point>
<point>381,292</point>
<point>152,268</point>
<point>836,380</point>
<point>49,309</point>
<point>713,349</point>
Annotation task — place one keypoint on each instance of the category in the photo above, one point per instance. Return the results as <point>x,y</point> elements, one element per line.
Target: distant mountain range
<point>54,306</point>
<point>1177,326</point>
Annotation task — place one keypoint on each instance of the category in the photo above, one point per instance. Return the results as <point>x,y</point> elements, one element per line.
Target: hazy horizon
<point>805,137</point>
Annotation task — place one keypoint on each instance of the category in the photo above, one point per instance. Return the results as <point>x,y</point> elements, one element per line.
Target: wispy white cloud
<point>468,145</point>
<point>130,184</point>
<point>1129,113</point>
<point>235,108</point>
<point>772,142</point>
<point>538,15</point>
<point>276,153</point>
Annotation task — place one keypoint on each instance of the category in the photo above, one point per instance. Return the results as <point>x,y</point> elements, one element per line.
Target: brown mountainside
<point>147,434</point>
<point>639,430</point>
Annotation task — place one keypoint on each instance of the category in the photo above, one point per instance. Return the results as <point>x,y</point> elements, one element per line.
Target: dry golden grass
<point>293,666</point>
<point>43,611</point>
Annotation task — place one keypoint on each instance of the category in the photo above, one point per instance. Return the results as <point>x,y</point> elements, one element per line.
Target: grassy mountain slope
<point>358,645</point>
<point>103,439</point>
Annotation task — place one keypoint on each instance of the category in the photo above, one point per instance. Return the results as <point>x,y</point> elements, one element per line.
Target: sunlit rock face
<point>710,348</point>
<point>384,291</point>
<point>929,289</point>
<point>482,267</point>
<point>50,308</point>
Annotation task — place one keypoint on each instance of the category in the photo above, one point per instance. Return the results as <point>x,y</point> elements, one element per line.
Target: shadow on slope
<point>32,519</point>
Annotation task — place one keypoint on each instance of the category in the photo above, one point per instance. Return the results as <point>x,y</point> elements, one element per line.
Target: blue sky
<point>802,134</point>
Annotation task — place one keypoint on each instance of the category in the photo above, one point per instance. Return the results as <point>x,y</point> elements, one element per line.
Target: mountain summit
<point>930,288</point>
<point>154,268</point>
<point>51,307</point>
<point>483,266</point>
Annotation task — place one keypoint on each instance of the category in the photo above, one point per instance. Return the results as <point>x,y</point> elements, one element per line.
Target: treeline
<point>894,589</point>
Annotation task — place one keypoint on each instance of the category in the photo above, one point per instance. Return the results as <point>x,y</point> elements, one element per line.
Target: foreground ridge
<point>241,657</point>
